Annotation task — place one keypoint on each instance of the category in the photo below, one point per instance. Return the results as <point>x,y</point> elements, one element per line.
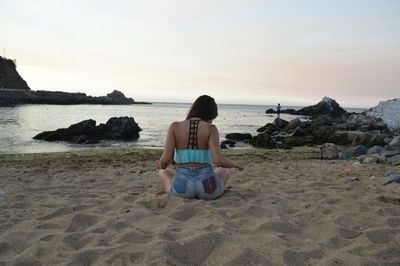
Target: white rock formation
<point>389,111</point>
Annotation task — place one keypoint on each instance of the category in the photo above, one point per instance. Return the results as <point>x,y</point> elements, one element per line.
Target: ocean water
<point>19,124</point>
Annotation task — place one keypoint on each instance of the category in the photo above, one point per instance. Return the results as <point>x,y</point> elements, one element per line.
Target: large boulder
<point>269,129</point>
<point>116,128</point>
<point>394,144</point>
<point>395,160</point>
<point>280,123</point>
<point>263,140</point>
<point>353,152</point>
<point>389,112</point>
<point>329,151</point>
<point>326,106</point>
<point>363,122</point>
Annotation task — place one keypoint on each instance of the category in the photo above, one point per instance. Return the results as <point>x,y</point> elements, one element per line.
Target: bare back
<point>181,134</point>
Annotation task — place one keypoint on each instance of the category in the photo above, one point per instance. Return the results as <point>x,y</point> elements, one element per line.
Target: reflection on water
<point>8,115</point>
<point>4,121</point>
<point>19,124</point>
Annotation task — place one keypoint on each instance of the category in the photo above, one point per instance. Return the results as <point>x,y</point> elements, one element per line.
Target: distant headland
<point>14,90</point>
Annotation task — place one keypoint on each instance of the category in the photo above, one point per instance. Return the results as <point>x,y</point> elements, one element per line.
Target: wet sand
<point>106,207</point>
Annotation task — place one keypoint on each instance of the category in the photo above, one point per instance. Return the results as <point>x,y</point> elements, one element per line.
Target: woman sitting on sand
<point>193,144</point>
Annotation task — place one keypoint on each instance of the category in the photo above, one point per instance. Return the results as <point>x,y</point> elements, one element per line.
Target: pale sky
<point>258,52</point>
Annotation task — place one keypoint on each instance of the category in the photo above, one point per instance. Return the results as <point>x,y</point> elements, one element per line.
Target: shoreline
<point>287,207</point>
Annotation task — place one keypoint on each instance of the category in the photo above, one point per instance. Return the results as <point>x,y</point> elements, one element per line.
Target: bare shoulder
<point>213,127</point>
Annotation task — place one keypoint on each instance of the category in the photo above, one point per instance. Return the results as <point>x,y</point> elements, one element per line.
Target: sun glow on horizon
<point>259,52</point>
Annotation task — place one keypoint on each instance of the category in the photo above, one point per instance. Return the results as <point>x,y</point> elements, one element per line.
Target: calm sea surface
<point>20,123</point>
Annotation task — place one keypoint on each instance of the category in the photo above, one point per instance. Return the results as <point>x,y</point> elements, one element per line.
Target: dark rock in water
<point>283,111</point>
<point>263,140</point>
<point>229,143</point>
<point>124,128</point>
<point>85,132</point>
<point>292,125</point>
<point>270,111</point>
<point>280,123</point>
<point>223,146</point>
<point>327,106</point>
<point>239,136</point>
<point>269,129</point>
<point>73,133</point>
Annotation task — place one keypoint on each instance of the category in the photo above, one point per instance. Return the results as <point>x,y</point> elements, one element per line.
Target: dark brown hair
<point>204,107</point>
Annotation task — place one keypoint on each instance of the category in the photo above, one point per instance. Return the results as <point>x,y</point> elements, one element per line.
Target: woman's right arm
<point>166,157</point>
<point>218,159</point>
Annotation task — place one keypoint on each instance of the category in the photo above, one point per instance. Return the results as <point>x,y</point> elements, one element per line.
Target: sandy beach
<point>105,207</point>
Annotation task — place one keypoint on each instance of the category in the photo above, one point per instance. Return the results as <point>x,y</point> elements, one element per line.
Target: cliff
<point>9,77</point>
<point>14,90</point>
<point>13,97</point>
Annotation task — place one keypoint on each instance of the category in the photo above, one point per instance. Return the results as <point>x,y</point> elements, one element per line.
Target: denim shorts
<point>197,182</point>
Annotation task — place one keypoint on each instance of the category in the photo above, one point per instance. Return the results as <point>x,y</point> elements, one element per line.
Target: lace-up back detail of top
<point>192,154</point>
<point>193,129</point>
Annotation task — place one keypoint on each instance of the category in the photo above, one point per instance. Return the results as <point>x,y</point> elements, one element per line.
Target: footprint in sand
<point>48,226</point>
<point>249,256</point>
<point>193,250</point>
<point>135,238</point>
<point>389,254</point>
<point>77,241</point>
<point>87,257</point>
<point>381,236</point>
<point>348,233</point>
<point>185,213</point>
<point>123,258</point>
<point>281,227</point>
<point>257,211</point>
<point>393,222</point>
<point>297,258</point>
<point>82,222</point>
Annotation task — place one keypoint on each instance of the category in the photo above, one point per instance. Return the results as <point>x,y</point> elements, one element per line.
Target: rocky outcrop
<point>14,90</point>
<point>327,106</point>
<point>283,111</point>
<point>9,77</point>
<point>389,112</point>
<point>86,132</point>
<point>13,97</point>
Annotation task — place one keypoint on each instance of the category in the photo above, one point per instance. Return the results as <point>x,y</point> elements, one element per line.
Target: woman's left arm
<point>166,157</point>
